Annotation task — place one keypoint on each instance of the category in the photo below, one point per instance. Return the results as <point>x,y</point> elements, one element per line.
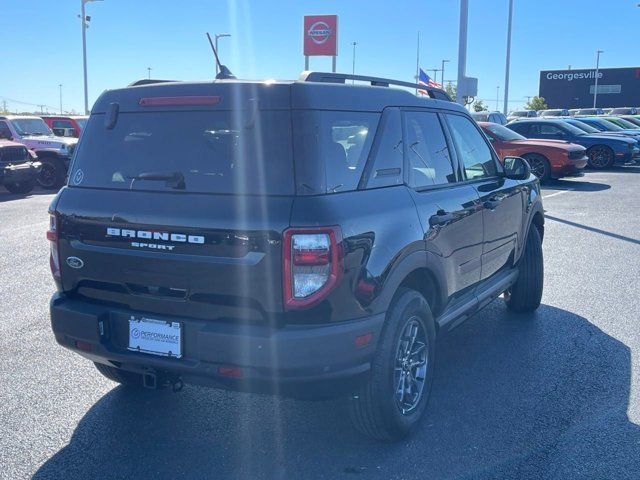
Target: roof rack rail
<point>330,77</point>
<point>148,81</point>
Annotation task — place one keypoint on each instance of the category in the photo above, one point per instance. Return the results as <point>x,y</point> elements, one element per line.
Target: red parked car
<point>548,158</point>
<point>66,126</point>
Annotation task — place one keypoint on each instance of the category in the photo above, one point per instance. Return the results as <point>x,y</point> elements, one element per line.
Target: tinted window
<point>501,133</point>
<point>471,147</point>
<point>214,152</point>
<point>4,130</point>
<point>429,160</point>
<point>331,149</point>
<point>386,153</point>
<point>62,124</point>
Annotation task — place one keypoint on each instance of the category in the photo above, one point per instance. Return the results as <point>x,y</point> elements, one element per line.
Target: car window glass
<point>386,153</point>
<point>4,130</point>
<point>472,149</point>
<point>62,124</point>
<point>429,160</point>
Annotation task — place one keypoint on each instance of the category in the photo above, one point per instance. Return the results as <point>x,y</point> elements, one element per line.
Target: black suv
<point>307,238</point>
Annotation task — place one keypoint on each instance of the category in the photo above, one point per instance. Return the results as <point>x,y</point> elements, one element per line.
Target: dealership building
<point>617,87</point>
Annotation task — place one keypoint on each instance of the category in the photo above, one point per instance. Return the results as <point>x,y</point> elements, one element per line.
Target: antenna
<point>225,73</point>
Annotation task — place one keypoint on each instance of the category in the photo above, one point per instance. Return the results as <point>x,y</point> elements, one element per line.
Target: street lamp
<point>149,72</point>
<point>60,87</point>
<point>508,60</point>
<point>85,25</point>
<point>219,35</point>
<point>497,97</point>
<point>595,88</point>
<point>443,62</point>
<point>353,67</point>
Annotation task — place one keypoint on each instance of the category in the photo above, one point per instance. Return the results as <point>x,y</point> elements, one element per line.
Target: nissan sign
<point>320,35</point>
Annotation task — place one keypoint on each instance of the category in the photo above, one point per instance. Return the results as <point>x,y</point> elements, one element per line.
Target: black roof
<point>326,93</point>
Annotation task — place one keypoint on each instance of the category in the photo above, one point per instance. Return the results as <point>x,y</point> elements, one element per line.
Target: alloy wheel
<point>410,365</point>
<point>600,157</point>
<point>47,177</point>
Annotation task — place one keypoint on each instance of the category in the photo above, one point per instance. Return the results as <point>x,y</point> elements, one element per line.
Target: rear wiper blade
<point>173,179</point>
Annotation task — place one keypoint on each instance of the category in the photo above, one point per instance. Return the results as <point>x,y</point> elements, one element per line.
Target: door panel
<point>500,199</point>
<point>450,212</point>
<point>452,221</point>
<point>502,211</point>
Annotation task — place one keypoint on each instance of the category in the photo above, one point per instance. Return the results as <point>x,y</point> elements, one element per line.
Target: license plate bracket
<point>155,337</point>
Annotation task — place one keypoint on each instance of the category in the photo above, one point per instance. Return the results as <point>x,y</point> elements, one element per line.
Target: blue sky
<point>42,41</point>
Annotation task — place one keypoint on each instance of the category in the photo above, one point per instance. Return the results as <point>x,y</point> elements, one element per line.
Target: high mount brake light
<point>177,101</point>
<point>52,236</point>
<point>312,265</point>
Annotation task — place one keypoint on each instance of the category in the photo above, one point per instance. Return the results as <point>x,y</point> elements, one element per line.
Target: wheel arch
<point>421,271</point>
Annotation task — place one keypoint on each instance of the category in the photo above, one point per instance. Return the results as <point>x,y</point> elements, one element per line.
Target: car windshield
<point>31,126</point>
<point>583,126</point>
<point>622,123</point>
<point>604,125</point>
<point>503,133</point>
<point>570,128</point>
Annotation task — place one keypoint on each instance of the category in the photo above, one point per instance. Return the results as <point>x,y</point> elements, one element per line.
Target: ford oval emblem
<point>75,262</point>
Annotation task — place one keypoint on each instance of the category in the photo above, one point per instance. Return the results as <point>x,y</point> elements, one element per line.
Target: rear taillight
<point>52,236</point>
<point>312,264</point>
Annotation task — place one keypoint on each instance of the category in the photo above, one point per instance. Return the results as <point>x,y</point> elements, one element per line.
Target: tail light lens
<point>312,265</point>
<point>52,236</point>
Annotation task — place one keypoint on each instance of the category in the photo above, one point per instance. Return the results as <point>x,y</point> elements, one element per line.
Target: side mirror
<point>516,168</point>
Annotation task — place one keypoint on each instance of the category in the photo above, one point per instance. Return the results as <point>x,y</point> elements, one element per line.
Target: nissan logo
<point>319,32</point>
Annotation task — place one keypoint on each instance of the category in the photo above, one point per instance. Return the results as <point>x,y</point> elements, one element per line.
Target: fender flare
<point>411,262</point>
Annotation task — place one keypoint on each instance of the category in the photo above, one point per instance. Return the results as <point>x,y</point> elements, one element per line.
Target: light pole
<point>595,88</point>
<point>508,63</point>
<point>219,35</point>
<point>462,53</point>
<point>85,20</point>
<point>149,72</point>
<point>60,87</point>
<point>353,67</point>
<point>443,62</point>
<point>497,97</point>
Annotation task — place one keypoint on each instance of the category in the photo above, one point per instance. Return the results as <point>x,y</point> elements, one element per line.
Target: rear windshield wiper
<point>173,179</point>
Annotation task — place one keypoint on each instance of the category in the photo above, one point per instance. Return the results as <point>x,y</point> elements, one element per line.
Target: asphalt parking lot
<point>551,395</point>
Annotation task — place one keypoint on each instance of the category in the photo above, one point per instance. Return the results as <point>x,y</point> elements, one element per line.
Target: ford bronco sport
<point>308,238</point>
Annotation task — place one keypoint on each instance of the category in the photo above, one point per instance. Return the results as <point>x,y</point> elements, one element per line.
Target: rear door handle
<point>441,218</point>
<point>492,203</point>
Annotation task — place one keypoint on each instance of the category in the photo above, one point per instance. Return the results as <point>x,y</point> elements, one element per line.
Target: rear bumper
<point>23,172</point>
<point>321,360</point>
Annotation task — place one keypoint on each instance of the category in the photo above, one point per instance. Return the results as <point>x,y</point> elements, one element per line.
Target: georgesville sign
<point>617,87</point>
<point>320,35</point>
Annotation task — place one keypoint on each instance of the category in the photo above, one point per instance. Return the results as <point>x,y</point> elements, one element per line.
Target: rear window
<point>331,149</point>
<point>197,151</point>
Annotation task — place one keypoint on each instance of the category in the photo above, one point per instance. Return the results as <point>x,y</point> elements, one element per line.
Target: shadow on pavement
<point>577,185</point>
<point>6,196</point>
<point>539,396</point>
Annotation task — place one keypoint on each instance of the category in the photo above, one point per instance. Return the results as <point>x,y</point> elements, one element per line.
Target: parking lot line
<point>557,193</point>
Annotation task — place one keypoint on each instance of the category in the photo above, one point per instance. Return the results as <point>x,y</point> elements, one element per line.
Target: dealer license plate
<point>156,337</point>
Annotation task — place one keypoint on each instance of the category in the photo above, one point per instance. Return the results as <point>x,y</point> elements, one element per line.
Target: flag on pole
<point>427,81</point>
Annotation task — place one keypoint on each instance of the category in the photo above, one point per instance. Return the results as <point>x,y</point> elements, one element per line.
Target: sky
<point>43,48</point>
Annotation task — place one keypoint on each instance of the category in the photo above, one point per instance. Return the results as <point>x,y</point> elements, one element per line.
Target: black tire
<point>53,173</point>
<point>600,157</point>
<point>540,166</point>
<point>525,295</point>
<point>21,188</point>
<point>129,379</point>
<point>375,408</point>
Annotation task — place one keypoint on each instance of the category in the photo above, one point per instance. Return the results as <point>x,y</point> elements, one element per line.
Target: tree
<point>451,90</point>
<point>536,103</point>
<point>479,106</point>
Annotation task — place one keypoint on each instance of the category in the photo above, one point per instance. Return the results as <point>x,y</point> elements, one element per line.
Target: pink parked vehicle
<point>19,167</point>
